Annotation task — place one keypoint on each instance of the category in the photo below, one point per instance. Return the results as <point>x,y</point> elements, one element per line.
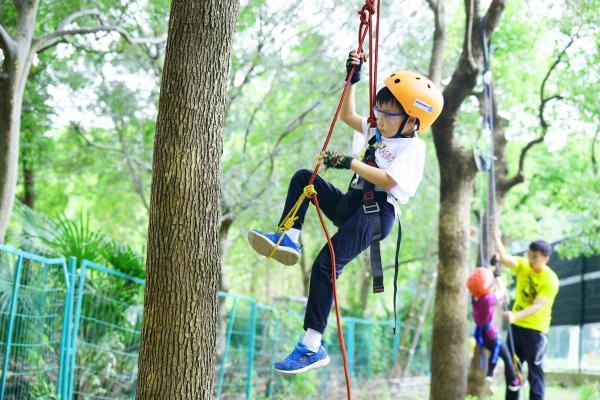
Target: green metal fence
<point>106,339</point>
<point>71,331</point>
<point>35,299</point>
<point>247,348</point>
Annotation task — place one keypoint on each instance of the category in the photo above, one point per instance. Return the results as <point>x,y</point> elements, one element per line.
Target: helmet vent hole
<point>392,75</point>
<point>429,86</point>
<point>418,77</point>
<point>397,81</point>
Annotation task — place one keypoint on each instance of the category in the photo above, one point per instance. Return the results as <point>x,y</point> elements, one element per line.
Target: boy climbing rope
<point>389,172</point>
<point>484,300</point>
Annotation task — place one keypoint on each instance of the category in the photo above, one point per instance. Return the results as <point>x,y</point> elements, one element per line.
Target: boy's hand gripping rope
<point>366,27</point>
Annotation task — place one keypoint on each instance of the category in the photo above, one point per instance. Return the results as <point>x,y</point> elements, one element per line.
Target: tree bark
<point>180,326</point>
<point>448,356</point>
<point>28,185</point>
<point>15,69</point>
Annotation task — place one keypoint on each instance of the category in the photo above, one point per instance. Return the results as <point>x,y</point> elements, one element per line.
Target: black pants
<point>530,346</point>
<point>509,368</point>
<point>351,239</point>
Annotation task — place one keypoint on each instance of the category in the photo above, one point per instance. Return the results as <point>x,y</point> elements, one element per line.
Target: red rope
<point>366,27</point>
<point>373,83</point>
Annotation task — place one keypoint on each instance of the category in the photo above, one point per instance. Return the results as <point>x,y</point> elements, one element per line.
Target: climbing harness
<point>479,336</point>
<point>364,193</point>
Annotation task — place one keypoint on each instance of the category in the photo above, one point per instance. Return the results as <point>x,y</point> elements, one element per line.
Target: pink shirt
<point>483,313</point>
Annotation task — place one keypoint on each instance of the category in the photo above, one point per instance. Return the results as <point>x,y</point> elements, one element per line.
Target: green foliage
<point>123,258</point>
<point>590,392</point>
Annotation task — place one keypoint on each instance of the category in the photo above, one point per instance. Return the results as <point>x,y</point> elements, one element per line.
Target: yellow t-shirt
<point>530,285</point>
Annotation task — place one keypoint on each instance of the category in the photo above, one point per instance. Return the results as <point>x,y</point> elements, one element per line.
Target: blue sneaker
<point>302,359</point>
<point>287,252</point>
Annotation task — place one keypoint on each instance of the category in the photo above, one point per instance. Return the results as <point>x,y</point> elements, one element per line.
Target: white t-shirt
<point>402,158</point>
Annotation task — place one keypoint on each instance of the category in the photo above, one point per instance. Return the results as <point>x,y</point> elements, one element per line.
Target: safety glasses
<point>386,116</point>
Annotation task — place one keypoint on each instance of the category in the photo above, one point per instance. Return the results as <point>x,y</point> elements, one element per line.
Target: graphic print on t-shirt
<point>528,292</point>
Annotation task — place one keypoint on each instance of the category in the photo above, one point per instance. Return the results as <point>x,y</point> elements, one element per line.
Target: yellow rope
<point>291,217</point>
<point>517,369</point>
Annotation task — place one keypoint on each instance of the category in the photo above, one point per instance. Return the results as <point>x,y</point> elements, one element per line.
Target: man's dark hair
<point>541,246</point>
<point>385,96</point>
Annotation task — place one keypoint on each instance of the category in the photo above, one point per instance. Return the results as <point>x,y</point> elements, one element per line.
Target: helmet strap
<point>402,125</point>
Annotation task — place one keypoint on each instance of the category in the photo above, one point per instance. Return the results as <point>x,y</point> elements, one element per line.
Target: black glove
<point>356,75</point>
<point>332,159</point>
<point>494,260</point>
<point>495,267</point>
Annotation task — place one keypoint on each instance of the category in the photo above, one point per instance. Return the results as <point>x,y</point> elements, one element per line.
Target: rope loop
<point>310,192</point>
<point>367,11</point>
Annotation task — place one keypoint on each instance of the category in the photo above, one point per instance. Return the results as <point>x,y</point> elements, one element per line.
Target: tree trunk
<point>448,358</point>
<point>28,185</point>
<point>181,314</point>
<point>9,144</point>
<point>15,69</point>
<point>457,173</point>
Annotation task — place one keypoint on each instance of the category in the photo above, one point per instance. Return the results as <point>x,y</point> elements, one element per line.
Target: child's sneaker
<point>287,252</point>
<point>302,359</point>
<point>514,385</point>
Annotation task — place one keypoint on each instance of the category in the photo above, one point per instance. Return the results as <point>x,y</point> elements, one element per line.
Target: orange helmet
<point>418,96</point>
<point>480,282</point>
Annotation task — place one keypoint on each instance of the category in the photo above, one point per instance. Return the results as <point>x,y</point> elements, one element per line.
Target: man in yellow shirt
<point>537,286</point>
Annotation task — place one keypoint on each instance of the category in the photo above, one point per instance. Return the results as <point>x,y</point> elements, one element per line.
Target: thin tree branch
<point>68,20</point>
<point>543,99</point>
<point>492,16</point>
<point>7,43</point>
<point>258,107</point>
<point>61,32</point>
<point>436,63</point>
<point>290,127</point>
<point>134,173</point>
<point>519,176</point>
<point>594,160</point>
<point>121,150</point>
<point>433,4</point>
<point>470,8</point>
<point>91,143</point>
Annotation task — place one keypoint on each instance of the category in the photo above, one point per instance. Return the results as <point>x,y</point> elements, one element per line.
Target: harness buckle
<point>371,208</point>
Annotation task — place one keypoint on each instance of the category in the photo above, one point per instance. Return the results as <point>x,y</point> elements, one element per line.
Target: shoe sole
<point>315,365</point>
<point>263,246</point>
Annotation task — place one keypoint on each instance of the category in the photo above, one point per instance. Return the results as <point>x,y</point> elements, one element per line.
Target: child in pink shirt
<point>484,301</point>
